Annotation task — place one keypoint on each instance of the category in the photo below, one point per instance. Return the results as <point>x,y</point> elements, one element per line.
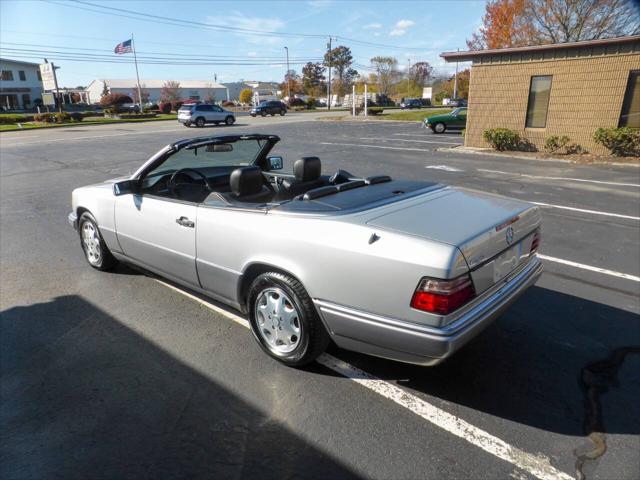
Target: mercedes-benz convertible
<point>408,270</point>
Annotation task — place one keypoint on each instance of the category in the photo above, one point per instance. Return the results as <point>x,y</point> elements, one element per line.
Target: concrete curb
<point>469,151</point>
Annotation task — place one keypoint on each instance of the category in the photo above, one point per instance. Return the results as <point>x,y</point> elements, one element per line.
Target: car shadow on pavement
<point>84,396</point>
<point>553,361</point>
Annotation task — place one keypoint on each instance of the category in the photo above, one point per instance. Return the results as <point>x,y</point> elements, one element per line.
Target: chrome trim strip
<point>493,300</point>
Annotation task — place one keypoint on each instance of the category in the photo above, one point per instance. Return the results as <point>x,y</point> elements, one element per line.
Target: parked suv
<point>269,108</point>
<point>201,114</point>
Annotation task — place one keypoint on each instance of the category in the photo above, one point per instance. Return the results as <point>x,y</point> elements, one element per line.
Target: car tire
<point>200,122</point>
<point>95,250</point>
<point>229,120</point>
<point>294,335</point>
<point>216,123</point>
<point>439,127</point>
<point>253,115</point>
<point>187,124</point>
<point>263,113</point>
<point>282,112</point>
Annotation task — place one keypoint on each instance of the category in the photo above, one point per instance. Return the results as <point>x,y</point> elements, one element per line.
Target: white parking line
<point>562,178</point>
<point>412,141</point>
<point>536,465</point>
<point>446,168</point>
<point>604,271</point>
<point>376,146</point>
<point>422,135</point>
<point>582,210</point>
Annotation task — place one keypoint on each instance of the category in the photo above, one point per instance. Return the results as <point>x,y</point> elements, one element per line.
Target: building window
<point>22,76</point>
<point>538,106</point>
<point>7,75</point>
<point>630,115</point>
<point>39,75</point>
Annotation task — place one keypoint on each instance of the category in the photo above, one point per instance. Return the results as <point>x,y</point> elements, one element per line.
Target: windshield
<point>459,111</point>
<point>214,155</point>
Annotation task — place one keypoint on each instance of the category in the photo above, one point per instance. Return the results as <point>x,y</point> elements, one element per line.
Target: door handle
<point>185,222</point>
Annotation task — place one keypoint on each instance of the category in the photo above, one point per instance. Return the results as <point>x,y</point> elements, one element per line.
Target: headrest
<point>307,169</point>
<point>246,181</point>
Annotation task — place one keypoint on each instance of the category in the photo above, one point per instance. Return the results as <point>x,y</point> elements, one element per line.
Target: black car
<point>411,103</point>
<point>269,108</point>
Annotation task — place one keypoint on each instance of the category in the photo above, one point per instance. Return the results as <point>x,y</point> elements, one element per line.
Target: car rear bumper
<point>421,344</point>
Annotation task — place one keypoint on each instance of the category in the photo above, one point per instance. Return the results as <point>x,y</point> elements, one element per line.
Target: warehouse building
<point>559,89</point>
<point>201,90</point>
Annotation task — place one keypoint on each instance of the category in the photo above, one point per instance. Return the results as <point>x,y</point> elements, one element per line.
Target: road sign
<point>48,99</point>
<point>47,74</point>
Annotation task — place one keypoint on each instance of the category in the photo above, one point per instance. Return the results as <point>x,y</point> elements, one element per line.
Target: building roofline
<point>4,59</point>
<point>473,54</point>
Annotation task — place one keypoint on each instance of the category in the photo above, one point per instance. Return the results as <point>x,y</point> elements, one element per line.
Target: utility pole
<point>455,82</point>
<point>408,74</point>
<point>329,83</point>
<point>288,81</point>
<point>55,83</point>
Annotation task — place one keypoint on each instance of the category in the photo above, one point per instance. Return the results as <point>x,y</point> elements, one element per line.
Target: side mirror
<point>124,187</point>
<point>275,163</point>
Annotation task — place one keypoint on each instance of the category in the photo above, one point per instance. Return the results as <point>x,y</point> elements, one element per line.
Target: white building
<point>261,90</point>
<point>20,84</point>
<point>203,90</point>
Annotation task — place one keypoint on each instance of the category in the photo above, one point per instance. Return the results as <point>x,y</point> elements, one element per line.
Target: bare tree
<point>513,23</point>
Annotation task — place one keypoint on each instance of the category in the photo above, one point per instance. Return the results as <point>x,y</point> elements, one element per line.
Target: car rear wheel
<point>439,127</point>
<point>95,250</point>
<point>229,120</point>
<point>264,113</point>
<point>200,122</point>
<point>284,320</point>
<point>187,124</point>
<point>282,112</point>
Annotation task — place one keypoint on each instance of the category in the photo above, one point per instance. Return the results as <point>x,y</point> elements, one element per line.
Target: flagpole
<point>135,59</point>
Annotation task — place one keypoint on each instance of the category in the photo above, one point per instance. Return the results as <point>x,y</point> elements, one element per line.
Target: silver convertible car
<point>403,269</point>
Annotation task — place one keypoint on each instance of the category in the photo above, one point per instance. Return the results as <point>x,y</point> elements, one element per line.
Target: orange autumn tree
<point>503,25</point>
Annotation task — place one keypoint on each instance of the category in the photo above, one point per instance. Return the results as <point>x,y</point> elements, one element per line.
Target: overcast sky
<point>410,31</point>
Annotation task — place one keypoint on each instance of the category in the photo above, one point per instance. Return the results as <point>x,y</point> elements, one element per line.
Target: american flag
<point>124,47</point>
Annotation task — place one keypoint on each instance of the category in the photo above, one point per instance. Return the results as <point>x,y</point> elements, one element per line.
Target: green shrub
<point>375,110</point>
<point>623,141</point>
<point>128,116</point>
<point>11,119</point>
<point>76,116</point>
<point>502,138</point>
<point>62,117</point>
<point>574,148</point>
<point>311,102</point>
<point>555,143</point>
<point>463,132</point>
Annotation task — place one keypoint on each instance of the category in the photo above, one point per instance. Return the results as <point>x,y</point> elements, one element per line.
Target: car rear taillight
<point>442,296</point>
<point>535,243</point>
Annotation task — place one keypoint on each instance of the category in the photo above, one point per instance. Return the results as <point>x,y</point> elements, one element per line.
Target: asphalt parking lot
<point>117,375</point>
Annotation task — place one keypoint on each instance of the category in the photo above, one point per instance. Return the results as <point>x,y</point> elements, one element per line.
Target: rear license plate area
<point>506,262</point>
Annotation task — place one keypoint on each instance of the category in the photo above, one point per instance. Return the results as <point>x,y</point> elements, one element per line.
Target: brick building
<point>559,89</point>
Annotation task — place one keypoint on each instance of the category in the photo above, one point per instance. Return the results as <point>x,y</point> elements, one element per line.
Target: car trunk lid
<point>493,233</point>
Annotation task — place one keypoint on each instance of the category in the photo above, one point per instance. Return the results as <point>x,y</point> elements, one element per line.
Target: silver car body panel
<point>362,288</point>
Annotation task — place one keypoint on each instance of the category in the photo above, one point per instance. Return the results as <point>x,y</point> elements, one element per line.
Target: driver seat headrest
<point>307,169</point>
<point>246,181</point>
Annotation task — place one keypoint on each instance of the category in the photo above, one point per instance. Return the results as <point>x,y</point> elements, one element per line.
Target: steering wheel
<point>171,184</point>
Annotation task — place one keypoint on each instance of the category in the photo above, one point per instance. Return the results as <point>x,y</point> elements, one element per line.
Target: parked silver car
<point>403,269</point>
<point>201,114</point>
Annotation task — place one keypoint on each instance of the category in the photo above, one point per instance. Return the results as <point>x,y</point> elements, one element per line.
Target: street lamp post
<point>288,82</point>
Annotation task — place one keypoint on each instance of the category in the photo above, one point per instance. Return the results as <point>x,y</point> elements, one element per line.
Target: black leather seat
<point>247,185</point>
<point>306,171</point>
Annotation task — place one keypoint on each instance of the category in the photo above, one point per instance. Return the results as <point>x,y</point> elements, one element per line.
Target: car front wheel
<point>95,250</point>
<point>439,128</point>
<point>282,112</point>
<point>284,321</point>
<point>200,122</point>
<point>229,120</point>
<point>264,113</point>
